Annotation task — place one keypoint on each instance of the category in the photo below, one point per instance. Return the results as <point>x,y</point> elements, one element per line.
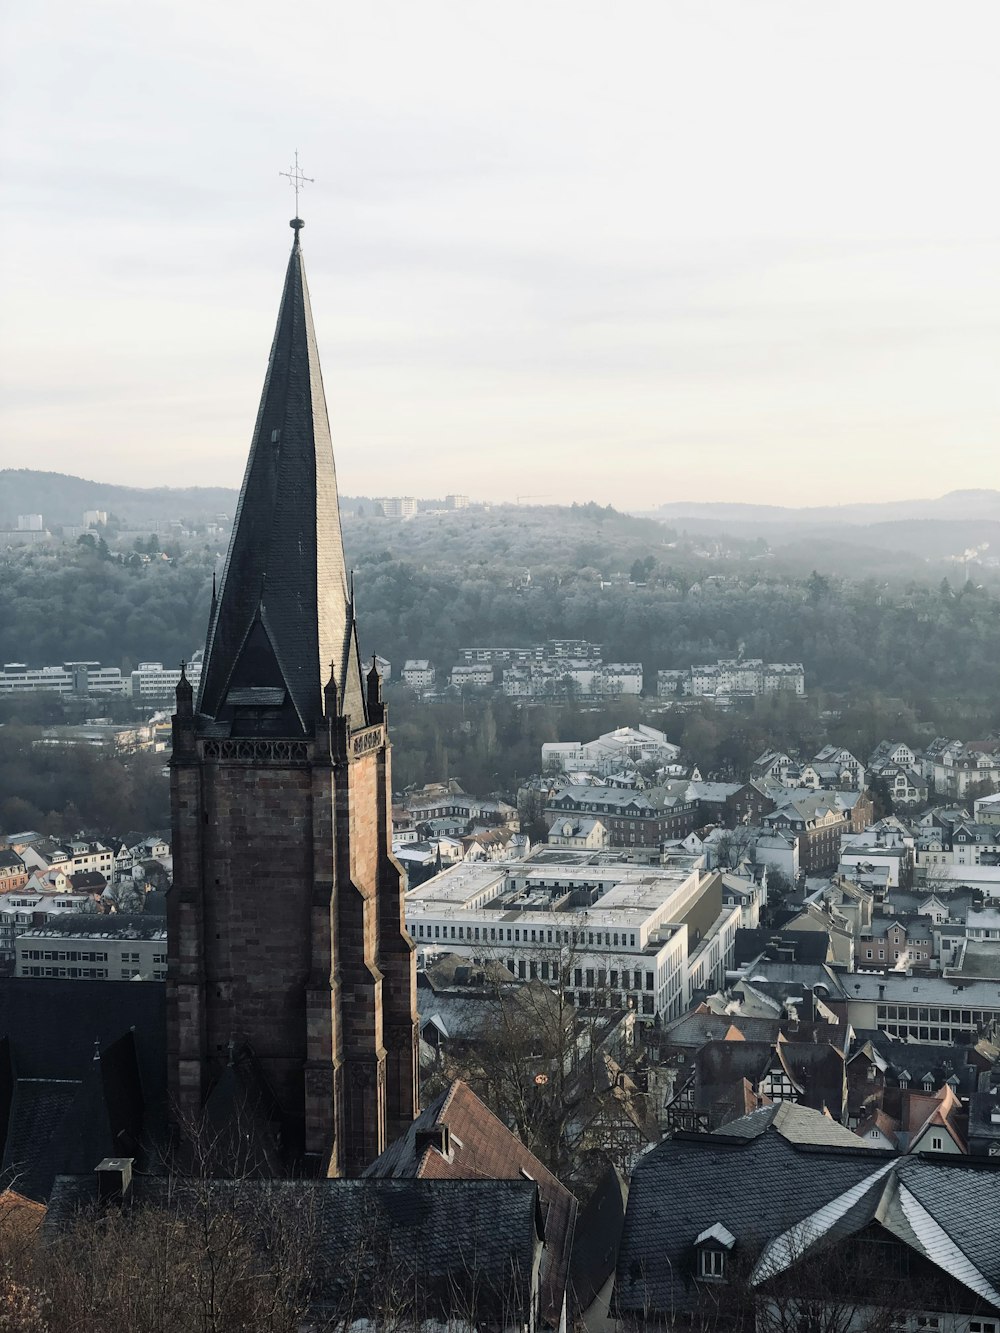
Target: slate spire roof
<point>283,621</point>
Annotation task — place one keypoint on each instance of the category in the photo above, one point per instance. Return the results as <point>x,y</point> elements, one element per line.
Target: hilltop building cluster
<point>730,679</point>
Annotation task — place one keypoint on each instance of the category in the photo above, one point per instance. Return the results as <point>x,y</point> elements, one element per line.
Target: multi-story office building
<point>152,682</point>
<point>609,932</point>
<point>70,678</point>
<point>95,947</point>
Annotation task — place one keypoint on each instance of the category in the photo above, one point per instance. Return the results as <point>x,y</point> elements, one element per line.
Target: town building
<point>611,934</point>
<point>633,818</point>
<point>418,674</point>
<point>817,822</point>
<point>31,907</point>
<point>80,678</point>
<point>474,674</point>
<point>399,506</point>
<point>785,1217</point>
<point>152,683</point>
<point>732,677</point>
<point>280,794</point>
<point>95,947</point>
<point>625,747</point>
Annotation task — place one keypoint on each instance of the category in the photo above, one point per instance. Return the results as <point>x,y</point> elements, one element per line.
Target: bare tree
<point>569,1079</point>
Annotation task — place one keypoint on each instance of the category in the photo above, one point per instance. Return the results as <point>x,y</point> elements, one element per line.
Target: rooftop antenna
<point>298,182</point>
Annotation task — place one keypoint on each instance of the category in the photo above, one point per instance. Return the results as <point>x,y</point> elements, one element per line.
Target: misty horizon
<point>740,255</point>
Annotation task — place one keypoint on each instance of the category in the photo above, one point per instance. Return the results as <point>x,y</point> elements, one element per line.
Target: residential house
<point>418,673</point>
<point>895,943</point>
<point>13,874</point>
<point>583,832</point>
<point>817,823</point>
<point>632,818</point>
<point>781,1210</point>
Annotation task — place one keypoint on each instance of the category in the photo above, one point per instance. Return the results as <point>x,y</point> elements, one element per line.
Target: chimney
<point>881,991</point>
<point>114,1180</point>
<point>438,1136</point>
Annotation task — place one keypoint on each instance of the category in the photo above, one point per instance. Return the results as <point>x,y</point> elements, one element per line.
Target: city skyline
<point>741,255</point>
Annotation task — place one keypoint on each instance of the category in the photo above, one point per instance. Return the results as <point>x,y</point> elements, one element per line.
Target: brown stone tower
<point>289,963</point>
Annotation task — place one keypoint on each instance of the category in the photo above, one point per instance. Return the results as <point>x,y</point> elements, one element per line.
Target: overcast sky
<point>622,251</point>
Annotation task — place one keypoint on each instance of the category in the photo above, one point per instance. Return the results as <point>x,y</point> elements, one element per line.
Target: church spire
<point>283,611</point>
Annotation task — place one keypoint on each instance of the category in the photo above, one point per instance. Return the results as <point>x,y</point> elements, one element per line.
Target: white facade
<point>622,748</point>
<point>476,674</point>
<point>103,951</point>
<point>730,676</point>
<point>152,682</point>
<point>621,678</point>
<point>399,506</point>
<point>418,673</point>
<point>614,932</point>
<point>25,909</point>
<point>69,678</point>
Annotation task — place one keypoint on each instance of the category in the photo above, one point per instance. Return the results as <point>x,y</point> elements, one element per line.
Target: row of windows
<point>66,955</point>
<point>474,934</point>
<point>913,953</point>
<point>935,1014</point>
<point>929,1033</point>
<point>97,973</point>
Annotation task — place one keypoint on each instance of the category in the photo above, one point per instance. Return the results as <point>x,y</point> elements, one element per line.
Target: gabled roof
<point>284,618</point>
<point>482,1147</point>
<point>779,1199</point>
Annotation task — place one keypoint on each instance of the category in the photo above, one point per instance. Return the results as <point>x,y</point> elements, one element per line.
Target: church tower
<point>289,964</point>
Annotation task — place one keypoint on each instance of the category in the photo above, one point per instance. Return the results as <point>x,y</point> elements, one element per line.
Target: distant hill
<point>960,505</point>
<point>61,499</point>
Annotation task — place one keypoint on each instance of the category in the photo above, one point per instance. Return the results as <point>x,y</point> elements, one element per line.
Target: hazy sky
<point>620,251</point>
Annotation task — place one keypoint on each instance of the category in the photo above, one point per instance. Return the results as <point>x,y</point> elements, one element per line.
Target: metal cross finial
<point>297,180</point>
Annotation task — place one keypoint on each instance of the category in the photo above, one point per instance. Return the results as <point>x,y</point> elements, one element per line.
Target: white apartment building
<point>737,675</point>
<point>94,947</point>
<point>152,682</point>
<point>616,933</point>
<point>69,678</point>
<point>476,674</point>
<point>621,678</point>
<point>22,910</point>
<point>418,673</point>
<point>399,506</point>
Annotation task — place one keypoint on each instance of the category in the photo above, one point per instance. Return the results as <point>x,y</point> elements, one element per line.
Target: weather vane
<point>297,180</point>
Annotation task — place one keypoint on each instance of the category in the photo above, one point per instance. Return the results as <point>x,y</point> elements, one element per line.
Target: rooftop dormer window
<point>712,1248</point>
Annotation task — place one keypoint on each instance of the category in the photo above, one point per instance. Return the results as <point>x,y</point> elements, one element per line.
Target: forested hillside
<point>443,581</point>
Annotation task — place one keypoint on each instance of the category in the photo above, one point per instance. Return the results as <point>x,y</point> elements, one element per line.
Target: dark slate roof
<point>756,1187</point>
<point>920,1058</point>
<point>809,946</point>
<point>695,1028</point>
<point>453,1240</point>
<point>598,1233</point>
<point>965,1201</point>
<point>284,615</point>
<point>720,1064</point>
<point>38,1111</point>
<point>60,1109</point>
